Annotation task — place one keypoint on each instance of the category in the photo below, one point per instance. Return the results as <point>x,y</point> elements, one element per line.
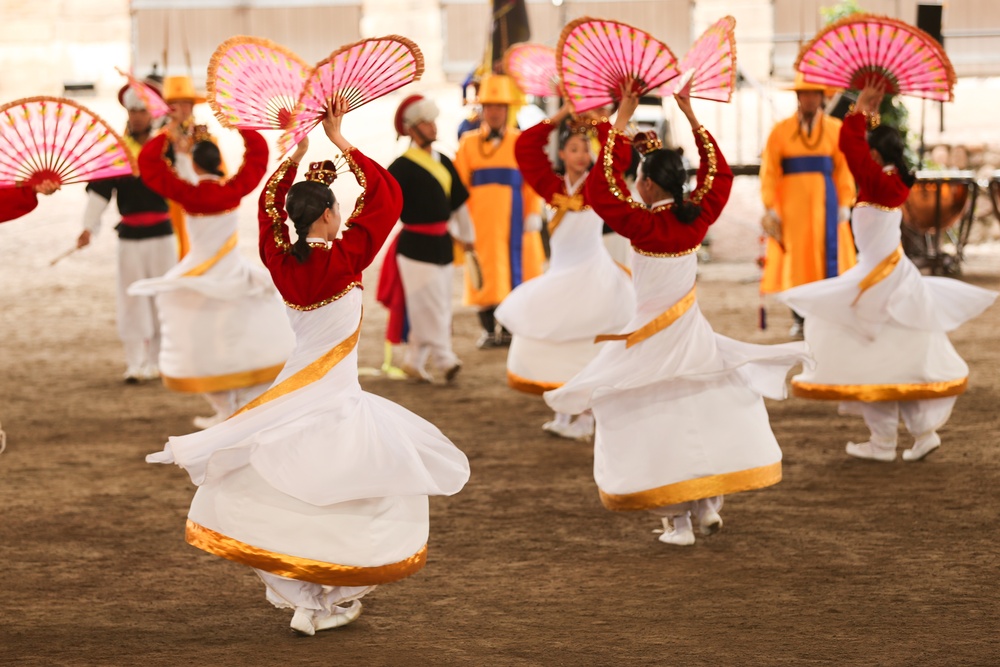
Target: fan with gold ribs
<point>708,69</point>
<point>358,72</point>
<point>865,49</point>
<point>155,105</point>
<point>533,67</point>
<point>254,84</point>
<point>595,57</point>
<point>55,139</point>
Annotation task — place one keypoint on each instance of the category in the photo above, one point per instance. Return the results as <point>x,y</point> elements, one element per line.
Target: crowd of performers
<point>322,488</point>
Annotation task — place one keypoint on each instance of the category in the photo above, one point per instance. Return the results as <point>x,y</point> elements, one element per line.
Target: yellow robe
<point>499,202</point>
<point>815,245</point>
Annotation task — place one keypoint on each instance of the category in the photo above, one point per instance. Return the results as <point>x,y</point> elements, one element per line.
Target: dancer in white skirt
<point>320,487</point>
<point>679,409</point>
<point>555,317</point>
<point>879,331</point>
<point>223,329</point>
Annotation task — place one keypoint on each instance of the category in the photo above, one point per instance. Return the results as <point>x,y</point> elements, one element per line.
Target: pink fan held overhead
<point>154,102</point>
<point>597,56</point>
<point>867,49</point>
<point>54,139</point>
<point>534,69</point>
<point>254,84</point>
<point>360,72</point>
<point>708,70</point>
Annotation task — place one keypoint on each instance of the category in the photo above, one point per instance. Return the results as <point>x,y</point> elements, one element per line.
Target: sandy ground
<point>843,563</point>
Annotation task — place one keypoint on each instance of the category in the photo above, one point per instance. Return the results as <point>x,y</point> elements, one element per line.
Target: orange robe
<point>499,202</point>
<point>806,179</point>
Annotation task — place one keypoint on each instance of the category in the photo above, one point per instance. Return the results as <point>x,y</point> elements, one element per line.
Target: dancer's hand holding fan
<point>864,49</point>
<point>254,84</point>
<point>359,73</point>
<point>533,68</point>
<point>48,142</point>
<point>595,57</point>
<point>708,69</point>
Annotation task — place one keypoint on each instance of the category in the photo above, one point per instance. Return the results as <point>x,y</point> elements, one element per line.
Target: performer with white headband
<point>416,279</point>
<point>146,247</point>
<point>320,487</point>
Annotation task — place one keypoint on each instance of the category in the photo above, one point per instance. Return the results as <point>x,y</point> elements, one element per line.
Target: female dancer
<point>320,487</point>
<point>679,409</point>
<point>879,331</point>
<point>223,330</point>
<point>555,317</point>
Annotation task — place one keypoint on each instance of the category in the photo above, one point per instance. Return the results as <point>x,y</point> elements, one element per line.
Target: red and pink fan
<point>708,70</point>
<point>866,49</point>
<point>597,56</point>
<point>151,98</point>
<point>533,67</point>
<point>54,139</point>
<point>359,72</point>
<point>254,84</point>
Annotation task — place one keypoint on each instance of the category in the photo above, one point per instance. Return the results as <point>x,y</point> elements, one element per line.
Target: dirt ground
<point>843,563</point>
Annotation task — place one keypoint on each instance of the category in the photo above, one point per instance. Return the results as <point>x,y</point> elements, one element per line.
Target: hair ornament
<point>646,141</point>
<point>326,171</point>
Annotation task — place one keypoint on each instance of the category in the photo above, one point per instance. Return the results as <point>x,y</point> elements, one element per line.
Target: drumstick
<point>63,256</point>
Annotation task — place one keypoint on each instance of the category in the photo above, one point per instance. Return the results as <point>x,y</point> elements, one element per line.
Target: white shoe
<point>677,531</point>
<point>922,447</point>
<point>302,622</point>
<point>208,422</point>
<point>417,374</point>
<point>340,618</point>
<point>581,429</point>
<point>132,375</point>
<point>872,452</point>
<point>709,521</point>
<point>149,372</point>
<point>559,429</point>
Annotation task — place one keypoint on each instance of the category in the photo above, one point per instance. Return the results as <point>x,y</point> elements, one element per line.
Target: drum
<point>937,200</point>
<point>939,211</point>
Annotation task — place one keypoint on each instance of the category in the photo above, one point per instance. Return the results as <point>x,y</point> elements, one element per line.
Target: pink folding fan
<point>533,67</point>
<point>151,98</point>
<point>596,56</point>
<point>867,49</point>
<point>360,72</point>
<point>254,84</point>
<point>708,69</point>
<point>54,139</point>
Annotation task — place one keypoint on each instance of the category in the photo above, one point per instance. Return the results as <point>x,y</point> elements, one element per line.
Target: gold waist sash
<point>880,272</point>
<point>226,248</point>
<point>311,373</point>
<point>657,324</point>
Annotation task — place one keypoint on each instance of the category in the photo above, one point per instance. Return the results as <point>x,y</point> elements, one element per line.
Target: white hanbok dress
<point>223,326</point>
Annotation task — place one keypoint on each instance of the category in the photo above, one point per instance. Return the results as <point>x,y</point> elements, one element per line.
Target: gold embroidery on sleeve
<point>270,190</point>
<point>713,165</point>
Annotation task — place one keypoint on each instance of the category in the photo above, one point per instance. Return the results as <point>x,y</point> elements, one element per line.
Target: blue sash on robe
<point>511,178</point>
<point>821,164</point>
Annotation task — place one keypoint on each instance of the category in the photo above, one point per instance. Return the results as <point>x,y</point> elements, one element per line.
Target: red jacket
<point>328,273</point>
<point>657,230</point>
<point>208,196</point>
<point>875,186</point>
<point>15,202</point>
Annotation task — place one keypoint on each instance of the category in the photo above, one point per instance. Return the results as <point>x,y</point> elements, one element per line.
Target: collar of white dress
<point>662,202</point>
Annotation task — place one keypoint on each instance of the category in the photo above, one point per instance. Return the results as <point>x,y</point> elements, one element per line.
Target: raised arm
<point>608,194</point>
<point>715,178</point>
<point>274,240</point>
<point>254,165</point>
<point>529,151</point>
<point>160,177</point>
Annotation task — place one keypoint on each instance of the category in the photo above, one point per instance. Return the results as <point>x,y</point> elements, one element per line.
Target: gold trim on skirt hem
<point>694,489</point>
<point>225,382</point>
<point>871,393</point>
<point>302,569</point>
<point>530,386</point>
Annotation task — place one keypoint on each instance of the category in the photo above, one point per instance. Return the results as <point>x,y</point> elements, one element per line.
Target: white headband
<point>132,101</point>
<point>419,112</point>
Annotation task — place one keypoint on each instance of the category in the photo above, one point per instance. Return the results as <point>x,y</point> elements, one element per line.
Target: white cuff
<point>533,223</point>
<point>843,213</point>
<point>460,225</point>
<point>96,204</point>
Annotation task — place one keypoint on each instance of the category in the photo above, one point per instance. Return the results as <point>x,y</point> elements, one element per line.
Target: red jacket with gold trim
<point>329,272</point>
<point>15,202</point>
<point>534,163</point>
<point>657,230</point>
<point>875,186</point>
<point>209,196</point>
